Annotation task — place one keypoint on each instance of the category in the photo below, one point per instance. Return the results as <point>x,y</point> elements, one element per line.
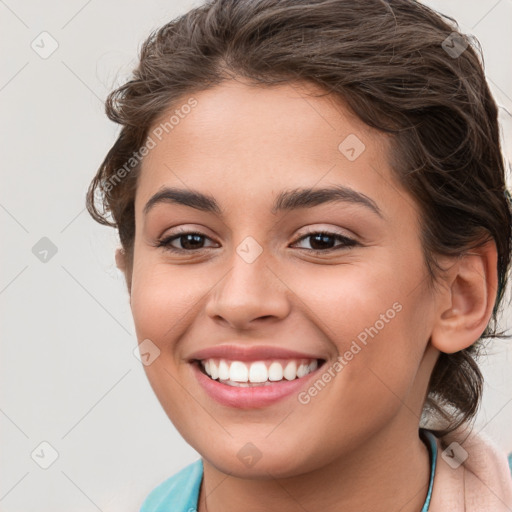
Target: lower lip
<point>250,397</point>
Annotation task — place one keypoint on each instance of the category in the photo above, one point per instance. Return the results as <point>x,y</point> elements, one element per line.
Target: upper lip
<point>250,353</point>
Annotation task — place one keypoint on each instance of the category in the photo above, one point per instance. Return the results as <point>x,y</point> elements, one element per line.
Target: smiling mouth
<point>257,373</point>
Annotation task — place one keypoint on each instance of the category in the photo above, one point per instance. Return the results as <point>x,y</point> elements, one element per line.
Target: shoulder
<point>178,493</point>
<point>472,474</point>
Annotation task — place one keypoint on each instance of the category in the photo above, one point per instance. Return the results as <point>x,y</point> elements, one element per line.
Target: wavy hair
<point>401,67</point>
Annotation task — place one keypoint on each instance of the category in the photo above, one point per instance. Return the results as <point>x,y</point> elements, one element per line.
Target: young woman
<point>315,232</point>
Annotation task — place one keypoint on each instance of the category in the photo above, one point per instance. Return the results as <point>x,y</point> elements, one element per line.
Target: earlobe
<point>122,265</point>
<point>121,259</point>
<point>466,304</point>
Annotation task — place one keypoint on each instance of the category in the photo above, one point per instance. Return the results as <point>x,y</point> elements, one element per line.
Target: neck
<point>390,471</point>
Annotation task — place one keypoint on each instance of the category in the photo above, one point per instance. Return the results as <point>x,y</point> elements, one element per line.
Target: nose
<point>250,293</point>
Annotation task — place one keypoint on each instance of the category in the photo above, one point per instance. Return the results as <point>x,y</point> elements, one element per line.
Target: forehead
<point>253,141</point>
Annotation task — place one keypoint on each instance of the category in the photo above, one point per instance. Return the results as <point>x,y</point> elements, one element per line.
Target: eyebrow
<point>286,201</point>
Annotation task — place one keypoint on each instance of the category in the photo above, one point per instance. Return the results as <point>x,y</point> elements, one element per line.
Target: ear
<point>466,303</point>
<point>121,259</point>
<point>121,264</point>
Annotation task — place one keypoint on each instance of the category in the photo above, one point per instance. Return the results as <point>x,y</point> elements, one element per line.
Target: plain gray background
<point>68,374</point>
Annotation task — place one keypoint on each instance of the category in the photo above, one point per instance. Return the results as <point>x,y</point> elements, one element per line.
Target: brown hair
<point>400,67</point>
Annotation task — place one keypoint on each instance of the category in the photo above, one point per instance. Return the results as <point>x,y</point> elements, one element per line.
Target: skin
<point>355,446</point>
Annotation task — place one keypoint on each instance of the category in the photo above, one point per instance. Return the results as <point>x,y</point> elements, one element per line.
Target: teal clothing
<point>180,493</point>
<point>432,448</point>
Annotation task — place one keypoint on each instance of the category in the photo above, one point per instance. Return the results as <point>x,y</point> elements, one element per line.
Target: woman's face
<point>259,276</point>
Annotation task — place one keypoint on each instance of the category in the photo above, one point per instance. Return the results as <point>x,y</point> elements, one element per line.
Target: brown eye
<point>323,241</point>
<point>192,241</point>
<point>188,241</point>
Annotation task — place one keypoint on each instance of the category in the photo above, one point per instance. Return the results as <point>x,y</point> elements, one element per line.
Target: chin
<point>250,462</point>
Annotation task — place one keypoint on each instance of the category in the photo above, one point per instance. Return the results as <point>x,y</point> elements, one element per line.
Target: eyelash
<point>348,243</point>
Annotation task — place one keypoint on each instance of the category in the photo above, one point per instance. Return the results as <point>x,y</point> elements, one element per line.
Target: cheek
<point>163,299</point>
<point>348,301</point>
<point>162,303</point>
<point>378,327</point>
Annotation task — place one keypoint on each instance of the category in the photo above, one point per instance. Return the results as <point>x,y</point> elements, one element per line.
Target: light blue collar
<point>432,446</point>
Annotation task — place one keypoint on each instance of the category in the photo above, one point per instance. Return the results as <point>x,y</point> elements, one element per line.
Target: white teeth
<point>223,370</point>
<point>237,384</point>
<point>302,370</point>
<point>214,370</point>
<point>238,373</point>
<point>290,372</point>
<point>275,372</point>
<point>258,372</point>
